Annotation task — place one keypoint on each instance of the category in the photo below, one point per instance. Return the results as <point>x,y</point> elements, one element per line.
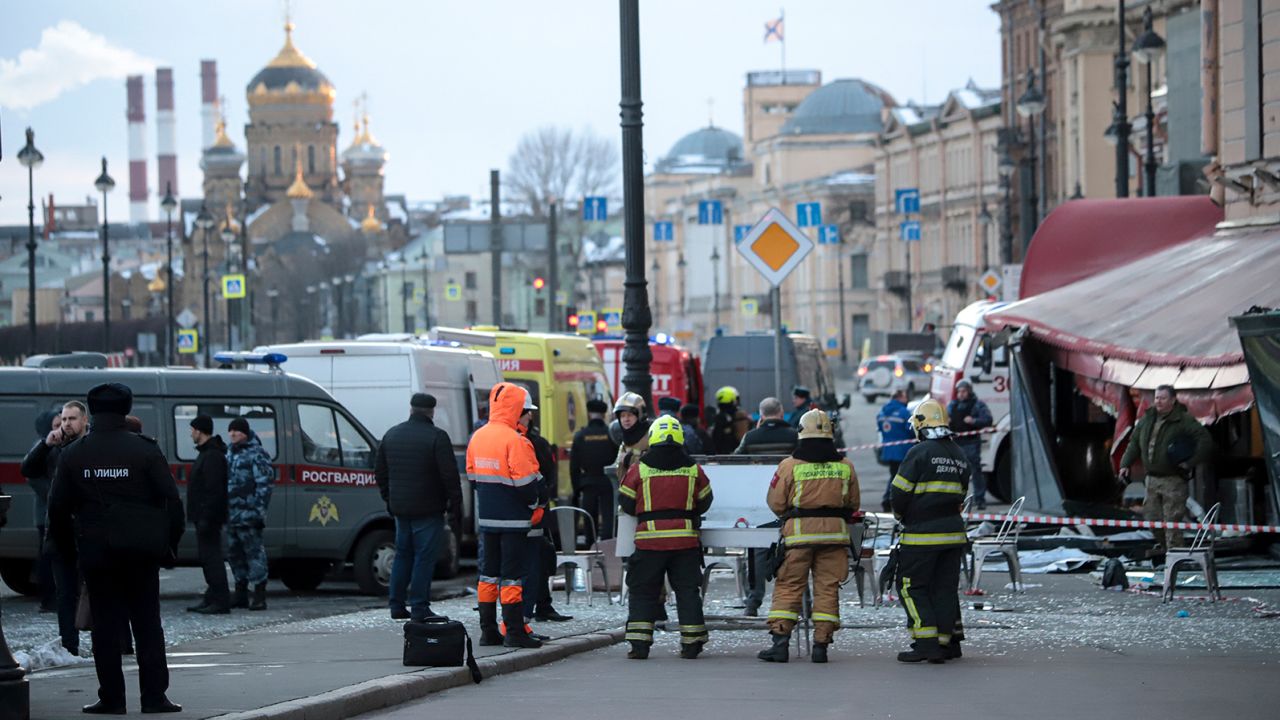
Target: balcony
<point>896,281</point>
<point>956,277</point>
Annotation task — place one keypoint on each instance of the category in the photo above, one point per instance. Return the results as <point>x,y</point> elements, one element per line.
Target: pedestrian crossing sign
<point>233,286</point>
<point>452,292</point>
<point>188,341</point>
<point>750,307</point>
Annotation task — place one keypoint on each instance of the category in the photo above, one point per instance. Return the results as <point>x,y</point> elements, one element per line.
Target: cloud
<point>68,56</point>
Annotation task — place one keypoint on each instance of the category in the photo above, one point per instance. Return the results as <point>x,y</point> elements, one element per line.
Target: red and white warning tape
<point>1111,523</point>
<point>913,441</point>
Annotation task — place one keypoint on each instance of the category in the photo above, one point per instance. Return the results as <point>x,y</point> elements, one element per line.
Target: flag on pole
<point>773,30</point>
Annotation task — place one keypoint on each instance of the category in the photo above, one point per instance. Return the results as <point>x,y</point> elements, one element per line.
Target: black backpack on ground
<point>439,642</point>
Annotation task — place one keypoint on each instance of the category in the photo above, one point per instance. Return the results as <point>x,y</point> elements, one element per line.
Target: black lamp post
<point>273,295</point>
<point>657,297</point>
<point>105,184</point>
<point>636,315</point>
<point>228,235</point>
<point>31,158</point>
<point>715,285</point>
<point>336,281</point>
<point>204,221</point>
<point>1030,106</point>
<point>1120,114</point>
<point>1006,168</point>
<point>169,204</point>
<point>1146,49</point>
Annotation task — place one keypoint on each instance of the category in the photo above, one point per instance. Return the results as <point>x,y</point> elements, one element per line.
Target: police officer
<point>250,476</point>
<point>593,450</point>
<point>731,423</point>
<point>927,495</point>
<point>668,493</point>
<point>815,492</point>
<point>99,478</point>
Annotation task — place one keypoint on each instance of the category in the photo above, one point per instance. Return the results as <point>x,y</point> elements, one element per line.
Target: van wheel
<point>372,561</point>
<point>911,390</point>
<point>449,561</point>
<point>1000,483</point>
<point>871,399</point>
<point>304,575</point>
<point>17,574</point>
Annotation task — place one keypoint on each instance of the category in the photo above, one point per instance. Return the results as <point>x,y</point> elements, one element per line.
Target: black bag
<point>439,642</point>
<point>1113,574</point>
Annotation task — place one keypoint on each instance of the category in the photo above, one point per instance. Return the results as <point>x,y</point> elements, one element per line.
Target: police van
<point>325,509</point>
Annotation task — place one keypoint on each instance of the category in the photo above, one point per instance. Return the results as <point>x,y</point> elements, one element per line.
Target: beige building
<point>948,153</point>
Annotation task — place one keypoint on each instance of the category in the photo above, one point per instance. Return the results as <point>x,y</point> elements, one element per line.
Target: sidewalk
<point>306,668</point>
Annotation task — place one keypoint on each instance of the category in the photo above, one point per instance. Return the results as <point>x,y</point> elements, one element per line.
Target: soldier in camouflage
<point>249,481</point>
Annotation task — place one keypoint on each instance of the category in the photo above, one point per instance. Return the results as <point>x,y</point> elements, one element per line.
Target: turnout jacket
<point>927,494</point>
<point>250,476</point>
<point>815,500</point>
<point>416,471</point>
<point>503,466</point>
<point>668,493</point>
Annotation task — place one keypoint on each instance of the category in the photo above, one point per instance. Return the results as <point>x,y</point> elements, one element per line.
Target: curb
<point>391,690</point>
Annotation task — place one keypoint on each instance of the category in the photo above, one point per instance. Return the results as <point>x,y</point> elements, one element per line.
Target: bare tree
<point>552,162</point>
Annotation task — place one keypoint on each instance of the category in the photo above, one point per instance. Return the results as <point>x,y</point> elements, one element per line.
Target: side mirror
<point>845,400</point>
<point>988,353</point>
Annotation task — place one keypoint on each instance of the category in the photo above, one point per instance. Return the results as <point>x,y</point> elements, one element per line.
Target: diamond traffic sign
<point>186,318</point>
<point>233,286</point>
<point>452,292</point>
<point>188,341</point>
<point>775,246</point>
<point>990,281</point>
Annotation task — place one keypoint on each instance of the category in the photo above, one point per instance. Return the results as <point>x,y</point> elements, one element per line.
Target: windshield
<point>958,346</point>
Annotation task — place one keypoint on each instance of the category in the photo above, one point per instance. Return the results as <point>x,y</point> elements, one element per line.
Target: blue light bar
<point>507,351</point>
<point>247,358</point>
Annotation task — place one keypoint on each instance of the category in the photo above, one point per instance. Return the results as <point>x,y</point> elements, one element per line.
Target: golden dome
<point>366,136</point>
<point>220,139</point>
<point>289,56</point>
<point>291,75</point>
<point>156,285</point>
<point>298,190</point>
<point>370,224</point>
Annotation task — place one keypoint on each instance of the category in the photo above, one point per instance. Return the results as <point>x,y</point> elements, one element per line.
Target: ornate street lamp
<point>1146,49</point>
<point>1030,105</point>
<point>31,158</point>
<point>204,221</point>
<point>169,204</point>
<point>105,184</point>
<point>1120,110</point>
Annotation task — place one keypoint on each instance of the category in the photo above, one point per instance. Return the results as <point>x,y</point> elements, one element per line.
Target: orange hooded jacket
<point>502,464</point>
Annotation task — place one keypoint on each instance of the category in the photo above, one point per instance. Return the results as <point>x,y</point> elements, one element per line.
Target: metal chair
<point>735,559</point>
<point>1005,542</point>
<point>569,557</point>
<point>1200,553</point>
<point>870,525</point>
<point>880,559</point>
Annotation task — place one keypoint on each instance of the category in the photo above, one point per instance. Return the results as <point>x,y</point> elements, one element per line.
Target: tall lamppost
<point>1120,111</point>
<point>228,235</point>
<point>31,158</point>
<point>1146,49</point>
<point>204,221</point>
<point>985,219</point>
<point>657,297</point>
<point>349,280</point>
<point>105,184</point>
<point>680,268</point>
<point>1005,169</point>
<point>311,292</point>
<point>337,298</point>
<point>1030,106</point>
<point>636,315</point>
<point>169,204</point>
<point>715,285</point>
<point>273,295</point>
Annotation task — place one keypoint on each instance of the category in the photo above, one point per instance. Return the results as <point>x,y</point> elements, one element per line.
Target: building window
<point>540,307</point>
<point>473,314</point>
<point>1253,85</point>
<point>858,272</point>
<point>407,288</point>
<point>470,281</point>
<point>311,159</point>
<point>262,161</point>
<point>276,155</point>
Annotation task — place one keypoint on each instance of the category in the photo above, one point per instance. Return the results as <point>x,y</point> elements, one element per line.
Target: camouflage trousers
<point>247,556</point>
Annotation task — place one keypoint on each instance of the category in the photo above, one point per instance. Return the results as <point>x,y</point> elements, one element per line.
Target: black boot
<point>489,634</point>
<point>241,599</point>
<point>952,651</point>
<point>204,602</point>
<point>517,637</point>
<point>690,651</point>
<point>259,601</point>
<point>639,650</point>
<point>780,652</point>
<point>819,654</point>
<point>921,653</point>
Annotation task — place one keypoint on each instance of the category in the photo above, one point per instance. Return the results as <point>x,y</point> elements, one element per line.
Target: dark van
<point>325,508</point>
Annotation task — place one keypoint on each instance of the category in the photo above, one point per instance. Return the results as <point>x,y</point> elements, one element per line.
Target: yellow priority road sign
<point>775,246</point>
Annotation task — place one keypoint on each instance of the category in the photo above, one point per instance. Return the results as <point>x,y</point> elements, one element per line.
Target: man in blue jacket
<point>894,425</point>
<point>968,414</point>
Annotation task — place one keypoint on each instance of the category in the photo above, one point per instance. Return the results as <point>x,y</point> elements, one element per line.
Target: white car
<point>882,375</point>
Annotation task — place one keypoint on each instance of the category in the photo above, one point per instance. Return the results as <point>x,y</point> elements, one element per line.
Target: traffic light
<point>539,283</point>
<point>602,325</point>
<point>571,317</point>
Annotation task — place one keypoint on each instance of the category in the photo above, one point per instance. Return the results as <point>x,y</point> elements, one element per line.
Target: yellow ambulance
<point>562,372</point>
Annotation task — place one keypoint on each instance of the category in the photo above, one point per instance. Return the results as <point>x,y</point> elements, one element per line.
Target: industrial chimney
<point>208,102</point>
<point>137,116</point>
<point>166,142</point>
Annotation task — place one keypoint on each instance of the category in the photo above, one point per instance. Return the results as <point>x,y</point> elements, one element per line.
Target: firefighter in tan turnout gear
<point>927,495</point>
<point>815,493</point>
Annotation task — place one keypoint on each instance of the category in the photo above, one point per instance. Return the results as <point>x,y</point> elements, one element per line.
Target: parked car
<point>883,375</point>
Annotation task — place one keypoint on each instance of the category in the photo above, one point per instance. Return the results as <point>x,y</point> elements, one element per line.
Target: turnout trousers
<point>646,571</point>
<point>928,578</point>
<point>830,567</point>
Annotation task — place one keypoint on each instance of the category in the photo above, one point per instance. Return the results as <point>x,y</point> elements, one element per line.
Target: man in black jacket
<point>773,436</point>
<point>417,475</point>
<point>541,555</point>
<point>207,510</point>
<point>593,450</point>
<point>106,482</point>
<point>40,479</point>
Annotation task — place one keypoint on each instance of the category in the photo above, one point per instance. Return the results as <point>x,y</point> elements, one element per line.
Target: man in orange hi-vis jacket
<point>502,464</point>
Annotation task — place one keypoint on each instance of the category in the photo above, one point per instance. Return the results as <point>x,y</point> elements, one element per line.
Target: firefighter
<point>632,430</point>
<point>927,494</point>
<point>731,422</point>
<point>814,493</point>
<point>502,465</point>
<point>667,493</point>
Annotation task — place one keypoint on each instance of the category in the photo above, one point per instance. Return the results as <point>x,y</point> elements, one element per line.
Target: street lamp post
<point>715,285</point>
<point>1006,169</point>
<point>1120,111</point>
<point>1030,105</point>
<point>680,267</point>
<point>105,184</point>
<point>228,235</point>
<point>204,221</point>
<point>31,158</point>
<point>311,302</point>
<point>337,296</point>
<point>1146,49</point>
<point>350,322</point>
<point>636,315</point>
<point>169,204</point>
<point>657,296</point>
<point>273,295</point>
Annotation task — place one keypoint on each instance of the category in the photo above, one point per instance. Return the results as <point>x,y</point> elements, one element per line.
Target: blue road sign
<point>595,208</point>
<point>909,230</point>
<point>664,232</point>
<point>828,234</point>
<point>710,212</point>
<point>906,201</point>
<point>740,232</point>
<point>808,214</point>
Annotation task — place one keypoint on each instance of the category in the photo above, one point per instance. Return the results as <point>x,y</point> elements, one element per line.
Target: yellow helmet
<point>929,414</point>
<point>631,402</point>
<point>816,424</point>
<point>727,395</point>
<point>666,429</point>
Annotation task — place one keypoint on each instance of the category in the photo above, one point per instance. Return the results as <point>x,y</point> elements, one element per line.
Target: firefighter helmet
<point>666,429</point>
<point>630,402</point>
<point>816,424</point>
<point>727,395</point>
<point>928,414</point>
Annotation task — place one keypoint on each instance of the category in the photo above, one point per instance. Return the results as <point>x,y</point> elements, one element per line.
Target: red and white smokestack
<point>208,102</point>
<point>166,142</point>
<point>137,115</point>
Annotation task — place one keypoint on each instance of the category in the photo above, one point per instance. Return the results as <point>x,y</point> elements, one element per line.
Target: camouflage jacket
<point>250,476</point>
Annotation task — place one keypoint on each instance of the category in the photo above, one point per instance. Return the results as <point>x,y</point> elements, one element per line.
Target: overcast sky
<point>451,85</point>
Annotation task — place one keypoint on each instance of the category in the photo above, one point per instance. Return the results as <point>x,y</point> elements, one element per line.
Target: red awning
<point>1082,238</point>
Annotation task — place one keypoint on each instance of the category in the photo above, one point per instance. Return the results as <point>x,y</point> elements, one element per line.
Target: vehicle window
<point>911,366</point>
<point>958,346</point>
<point>20,418</point>
<point>876,364</point>
<point>262,420</point>
<point>532,387</point>
<point>319,437</point>
<point>356,451</point>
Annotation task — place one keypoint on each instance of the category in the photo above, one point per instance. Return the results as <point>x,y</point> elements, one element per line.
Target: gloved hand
<point>537,517</point>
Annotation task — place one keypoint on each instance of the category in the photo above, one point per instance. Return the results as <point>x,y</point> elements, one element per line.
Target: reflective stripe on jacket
<point>801,485</point>
<point>927,494</point>
<point>502,464</point>
<point>650,490</point>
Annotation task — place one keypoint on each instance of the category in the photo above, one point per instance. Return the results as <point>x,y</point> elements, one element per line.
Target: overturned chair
<point>1200,553</point>
<point>571,559</point>
<point>1004,542</point>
